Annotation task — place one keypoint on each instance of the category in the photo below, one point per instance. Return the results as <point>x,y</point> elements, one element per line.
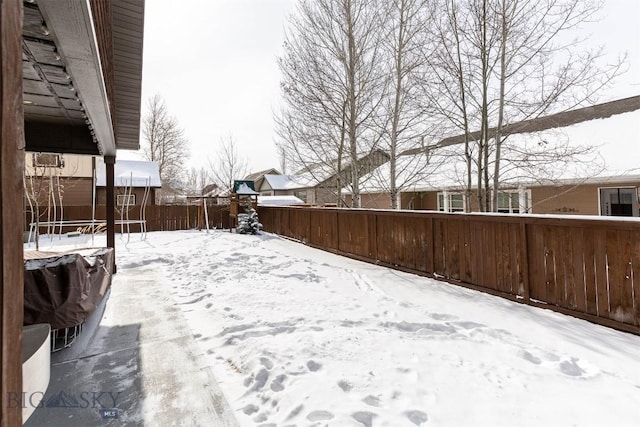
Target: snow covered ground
<point>297,336</point>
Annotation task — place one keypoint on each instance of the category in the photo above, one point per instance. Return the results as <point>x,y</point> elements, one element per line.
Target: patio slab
<point>140,366</point>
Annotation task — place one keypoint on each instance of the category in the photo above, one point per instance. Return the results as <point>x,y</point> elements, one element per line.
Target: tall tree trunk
<point>351,78</point>
<point>503,77</point>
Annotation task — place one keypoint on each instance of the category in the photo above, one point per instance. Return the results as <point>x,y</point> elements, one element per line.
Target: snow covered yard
<point>298,336</point>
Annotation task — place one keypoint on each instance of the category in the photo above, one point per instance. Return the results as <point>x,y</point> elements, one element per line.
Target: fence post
<point>524,262</point>
<point>431,263</point>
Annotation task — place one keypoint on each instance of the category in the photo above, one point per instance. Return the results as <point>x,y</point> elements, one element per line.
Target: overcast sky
<point>214,63</point>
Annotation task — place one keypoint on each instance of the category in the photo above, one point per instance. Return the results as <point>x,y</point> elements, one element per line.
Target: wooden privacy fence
<point>588,268</point>
<point>158,218</point>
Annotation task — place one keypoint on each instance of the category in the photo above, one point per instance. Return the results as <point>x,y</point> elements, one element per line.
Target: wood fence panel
<point>614,271</point>
<point>286,223</point>
<point>324,229</point>
<point>600,262</point>
<point>578,269</point>
<point>485,243</point>
<point>515,261</point>
<point>388,230</point>
<point>439,242</point>
<point>624,245</point>
<point>372,243</point>
<point>476,247</point>
<point>354,236</point>
<point>299,224</point>
<point>535,250</point>
<point>619,293</point>
<point>589,257</point>
<point>452,249</point>
<point>589,268</point>
<point>635,273</point>
<point>466,256</point>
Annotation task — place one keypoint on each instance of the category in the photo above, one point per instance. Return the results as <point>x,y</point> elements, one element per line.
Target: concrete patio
<point>138,367</point>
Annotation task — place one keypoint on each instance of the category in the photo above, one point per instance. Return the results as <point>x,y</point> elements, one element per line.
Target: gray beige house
<point>75,179</point>
<point>605,182</point>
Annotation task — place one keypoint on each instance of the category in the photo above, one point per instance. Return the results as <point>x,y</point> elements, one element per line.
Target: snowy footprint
<point>320,416</point>
<point>418,418</point>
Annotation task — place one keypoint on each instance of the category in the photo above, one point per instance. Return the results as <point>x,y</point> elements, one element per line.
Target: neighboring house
<point>258,177</point>
<point>68,177</point>
<point>319,183</point>
<point>287,185</point>
<point>136,175</point>
<point>602,195</point>
<point>610,186</point>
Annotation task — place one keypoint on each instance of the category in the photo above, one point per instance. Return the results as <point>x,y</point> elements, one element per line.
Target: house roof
<point>558,120</point>
<point>131,172</point>
<point>288,182</point>
<point>243,189</point>
<point>211,190</point>
<point>321,173</point>
<point>616,138</point>
<point>257,175</point>
<point>279,201</point>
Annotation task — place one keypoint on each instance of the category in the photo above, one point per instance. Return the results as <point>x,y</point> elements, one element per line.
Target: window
<point>48,160</point>
<point>509,201</point>
<point>455,202</point>
<point>129,200</point>
<point>621,201</point>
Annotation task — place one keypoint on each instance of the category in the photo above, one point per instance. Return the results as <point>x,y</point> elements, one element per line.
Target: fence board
<point>453,249</point>
<point>589,256</point>
<point>635,274</point>
<point>600,262</point>
<point>626,265</point>
<point>578,269</point>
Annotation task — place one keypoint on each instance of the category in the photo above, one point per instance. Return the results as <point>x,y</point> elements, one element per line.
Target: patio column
<point>110,162</point>
<point>523,200</point>
<point>11,215</point>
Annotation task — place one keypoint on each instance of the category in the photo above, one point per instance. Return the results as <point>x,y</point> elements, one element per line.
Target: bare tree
<point>404,41</point>
<point>164,143</point>
<point>511,60</point>
<point>228,164</point>
<point>46,178</point>
<point>332,87</point>
<point>195,180</point>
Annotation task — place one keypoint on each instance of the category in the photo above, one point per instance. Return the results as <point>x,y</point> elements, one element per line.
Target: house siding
<point>75,191</point>
<point>580,199</point>
<point>139,193</point>
<point>576,200</point>
<point>372,200</point>
<point>75,166</point>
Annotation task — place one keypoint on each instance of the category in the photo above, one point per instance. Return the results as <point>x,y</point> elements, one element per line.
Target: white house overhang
<point>82,72</point>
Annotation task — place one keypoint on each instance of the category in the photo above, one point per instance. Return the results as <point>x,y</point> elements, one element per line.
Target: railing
<point>587,268</point>
<point>158,218</point>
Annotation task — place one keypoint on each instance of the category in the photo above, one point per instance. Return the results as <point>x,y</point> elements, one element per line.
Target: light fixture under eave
<point>27,102</point>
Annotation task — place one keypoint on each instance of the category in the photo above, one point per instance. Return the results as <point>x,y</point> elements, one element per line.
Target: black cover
<point>63,291</point>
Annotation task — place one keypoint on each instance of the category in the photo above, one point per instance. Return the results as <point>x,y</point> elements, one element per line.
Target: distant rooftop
<point>137,173</point>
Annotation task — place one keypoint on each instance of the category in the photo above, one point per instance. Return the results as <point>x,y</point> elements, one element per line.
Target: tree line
<point>397,76</point>
<point>166,144</point>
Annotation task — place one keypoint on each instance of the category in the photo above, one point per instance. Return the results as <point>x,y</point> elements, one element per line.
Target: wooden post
<point>11,219</point>
<point>110,162</point>
<point>524,262</point>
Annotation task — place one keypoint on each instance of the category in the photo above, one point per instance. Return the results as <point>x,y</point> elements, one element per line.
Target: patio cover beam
<point>11,219</point>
